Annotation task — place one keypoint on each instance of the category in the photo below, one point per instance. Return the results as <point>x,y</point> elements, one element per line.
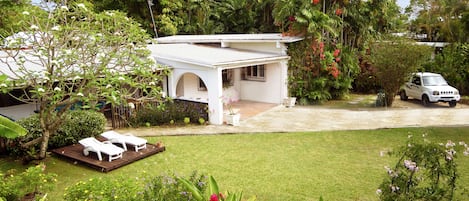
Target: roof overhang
<point>211,57</point>
<point>229,38</point>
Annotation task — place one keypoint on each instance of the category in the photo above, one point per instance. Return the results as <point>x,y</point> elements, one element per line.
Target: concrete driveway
<point>323,118</point>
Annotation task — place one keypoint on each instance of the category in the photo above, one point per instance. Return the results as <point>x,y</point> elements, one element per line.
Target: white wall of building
<point>265,91</point>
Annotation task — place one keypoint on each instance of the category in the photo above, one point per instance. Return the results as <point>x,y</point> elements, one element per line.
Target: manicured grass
<point>341,165</point>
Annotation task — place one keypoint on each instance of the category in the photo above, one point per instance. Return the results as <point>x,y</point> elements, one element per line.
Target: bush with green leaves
<point>32,182</point>
<point>176,111</point>
<point>170,188</point>
<point>105,188</point>
<point>424,171</point>
<point>394,62</point>
<point>453,64</point>
<point>78,124</point>
<point>321,71</point>
<point>212,193</point>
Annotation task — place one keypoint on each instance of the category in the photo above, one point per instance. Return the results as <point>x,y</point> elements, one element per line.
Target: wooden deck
<point>75,153</point>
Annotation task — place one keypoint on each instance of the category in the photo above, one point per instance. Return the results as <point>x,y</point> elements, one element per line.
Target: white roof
<point>433,44</point>
<point>212,57</point>
<point>218,38</point>
<point>10,68</point>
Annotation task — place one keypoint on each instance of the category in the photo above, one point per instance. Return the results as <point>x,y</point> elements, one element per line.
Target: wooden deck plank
<point>75,153</point>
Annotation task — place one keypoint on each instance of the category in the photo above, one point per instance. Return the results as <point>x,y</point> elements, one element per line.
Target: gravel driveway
<point>321,118</point>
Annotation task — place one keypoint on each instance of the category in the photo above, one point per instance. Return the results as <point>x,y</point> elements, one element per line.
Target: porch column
<point>283,80</point>
<point>215,91</point>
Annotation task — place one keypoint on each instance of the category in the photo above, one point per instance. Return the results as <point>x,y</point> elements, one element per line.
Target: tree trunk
<point>390,98</point>
<point>44,144</point>
<point>3,147</point>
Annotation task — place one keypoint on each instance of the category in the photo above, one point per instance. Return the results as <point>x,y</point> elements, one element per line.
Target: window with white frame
<point>254,73</point>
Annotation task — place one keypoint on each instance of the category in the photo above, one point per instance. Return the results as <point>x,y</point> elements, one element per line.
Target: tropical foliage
<point>440,20</point>
<point>27,185</point>
<point>453,64</point>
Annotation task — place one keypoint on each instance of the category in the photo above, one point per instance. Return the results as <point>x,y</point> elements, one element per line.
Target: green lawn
<point>341,165</point>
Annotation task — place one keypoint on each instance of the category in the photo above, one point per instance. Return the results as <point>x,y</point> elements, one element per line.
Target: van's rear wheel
<point>452,104</point>
<point>403,95</point>
<point>425,101</point>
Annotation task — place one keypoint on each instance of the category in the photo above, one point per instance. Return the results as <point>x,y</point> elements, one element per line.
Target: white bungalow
<point>206,68</point>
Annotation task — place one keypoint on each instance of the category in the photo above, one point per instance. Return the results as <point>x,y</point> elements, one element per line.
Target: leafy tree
<point>440,20</point>
<point>79,57</point>
<point>321,68</point>
<point>9,17</point>
<point>394,62</point>
<point>453,64</point>
<point>365,20</point>
<point>239,16</point>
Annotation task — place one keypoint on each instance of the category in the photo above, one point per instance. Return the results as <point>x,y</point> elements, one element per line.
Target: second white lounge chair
<point>123,139</point>
<point>106,147</point>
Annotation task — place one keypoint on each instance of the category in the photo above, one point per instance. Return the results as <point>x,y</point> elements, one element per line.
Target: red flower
<point>322,56</point>
<point>337,59</point>
<point>336,53</point>
<point>315,2</point>
<point>338,11</point>
<point>291,18</point>
<point>214,197</point>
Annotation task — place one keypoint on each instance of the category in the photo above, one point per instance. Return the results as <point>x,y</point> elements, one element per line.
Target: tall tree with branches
<point>78,56</point>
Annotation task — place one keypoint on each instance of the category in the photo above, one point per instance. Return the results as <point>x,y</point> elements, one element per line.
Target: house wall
<point>269,91</point>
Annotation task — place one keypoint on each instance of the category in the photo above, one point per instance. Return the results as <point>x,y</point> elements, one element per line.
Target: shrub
<point>394,62</point>
<point>176,111</point>
<point>212,192</point>
<point>424,171</point>
<point>320,71</point>
<point>78,124</point>
<point>366,80</point>
<point>125,189</point>
<point>29,183</point>
<point>169,188</point>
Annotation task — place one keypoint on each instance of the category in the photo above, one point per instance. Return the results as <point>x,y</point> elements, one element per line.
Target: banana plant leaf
<point>10,129</point>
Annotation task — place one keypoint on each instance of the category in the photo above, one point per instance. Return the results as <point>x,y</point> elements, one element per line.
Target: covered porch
<point>211,74</point>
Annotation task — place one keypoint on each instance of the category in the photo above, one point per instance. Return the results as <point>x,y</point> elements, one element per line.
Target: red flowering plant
<point>212,193</point>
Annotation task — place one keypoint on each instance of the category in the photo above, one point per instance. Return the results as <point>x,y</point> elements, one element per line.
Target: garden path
<point>323,118</point>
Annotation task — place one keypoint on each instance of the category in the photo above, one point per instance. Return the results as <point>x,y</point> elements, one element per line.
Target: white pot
<point>232,119</point>
<point>289,102</point>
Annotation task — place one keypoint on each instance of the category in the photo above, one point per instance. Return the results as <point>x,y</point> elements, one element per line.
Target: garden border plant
<point>172,112</point>
<point>78,124</point>
<point>424,171</point>
<point>29,184</point>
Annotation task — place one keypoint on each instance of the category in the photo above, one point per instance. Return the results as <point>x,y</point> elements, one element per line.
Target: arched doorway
<point>191,87</point>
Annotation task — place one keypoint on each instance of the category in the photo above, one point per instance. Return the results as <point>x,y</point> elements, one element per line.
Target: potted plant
<point>289,101</point>
<point>232,116</point>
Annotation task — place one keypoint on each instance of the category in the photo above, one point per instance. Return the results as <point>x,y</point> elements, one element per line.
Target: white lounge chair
<point>106,147</point>
<point>123,139</point>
